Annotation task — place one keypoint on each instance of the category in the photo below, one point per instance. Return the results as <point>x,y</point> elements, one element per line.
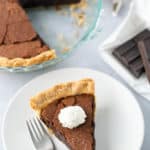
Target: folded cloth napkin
<point>134,23</point>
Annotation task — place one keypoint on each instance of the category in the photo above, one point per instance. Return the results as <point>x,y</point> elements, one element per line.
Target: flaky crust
<point>21,62</point>
<point>41,100</point>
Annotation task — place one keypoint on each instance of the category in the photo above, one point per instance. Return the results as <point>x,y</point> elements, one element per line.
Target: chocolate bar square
<point>144,47</point>
<point>129,55</point>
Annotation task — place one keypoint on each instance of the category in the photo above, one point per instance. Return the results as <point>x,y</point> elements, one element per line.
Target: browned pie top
<point>18,38</point>
<point>80,138</point>
<point>22,50</point>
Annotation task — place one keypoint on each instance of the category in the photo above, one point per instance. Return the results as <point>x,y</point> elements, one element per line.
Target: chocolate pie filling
<point>18,38</point>
<point>22,50</point>
<point>72,137</point>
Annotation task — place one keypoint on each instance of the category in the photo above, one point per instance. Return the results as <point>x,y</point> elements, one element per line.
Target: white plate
<point>119,121</point>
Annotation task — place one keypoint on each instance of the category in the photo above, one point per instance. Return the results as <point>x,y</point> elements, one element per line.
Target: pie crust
<point>41,100</point>
<point>24,62</point>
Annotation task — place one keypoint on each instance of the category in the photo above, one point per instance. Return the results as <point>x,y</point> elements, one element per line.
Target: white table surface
<point>85,56</point>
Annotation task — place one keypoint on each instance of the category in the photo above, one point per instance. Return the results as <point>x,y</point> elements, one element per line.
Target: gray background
<point>85,56</point>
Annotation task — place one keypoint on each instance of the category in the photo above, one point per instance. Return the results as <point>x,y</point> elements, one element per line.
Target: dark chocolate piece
<point>121,50</point>
<point>142,36</point>
<point>145,52</point>
<point>136,67</point>
<point>131,55</point>
<point>147,44</point>
<point>128,54</point>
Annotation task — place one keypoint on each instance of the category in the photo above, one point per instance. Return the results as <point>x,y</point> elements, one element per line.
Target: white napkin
<point>133,24</point>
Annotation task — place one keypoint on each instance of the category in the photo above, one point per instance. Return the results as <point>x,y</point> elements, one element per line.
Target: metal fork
<point>39,135</point>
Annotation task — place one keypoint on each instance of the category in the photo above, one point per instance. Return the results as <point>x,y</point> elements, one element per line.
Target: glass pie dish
<point>63,28</point>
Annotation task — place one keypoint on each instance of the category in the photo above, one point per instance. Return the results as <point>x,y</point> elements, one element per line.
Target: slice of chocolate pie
<point>68,110</point>
<point>20,45</point>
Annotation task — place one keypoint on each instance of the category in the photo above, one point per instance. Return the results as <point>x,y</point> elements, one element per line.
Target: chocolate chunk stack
<point>135,54</point>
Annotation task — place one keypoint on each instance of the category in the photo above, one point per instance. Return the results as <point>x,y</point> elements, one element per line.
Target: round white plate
<point>119,121</point>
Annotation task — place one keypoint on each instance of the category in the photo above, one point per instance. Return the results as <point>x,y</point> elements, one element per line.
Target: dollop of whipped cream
<point>72,116</point>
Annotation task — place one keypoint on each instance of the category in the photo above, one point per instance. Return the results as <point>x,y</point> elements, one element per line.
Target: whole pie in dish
<point>50,103</point>
<point>20,44</point>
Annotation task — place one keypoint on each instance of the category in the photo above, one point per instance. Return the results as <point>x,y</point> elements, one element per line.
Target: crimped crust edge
<point>24,62</point>
<point>41,100</point>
